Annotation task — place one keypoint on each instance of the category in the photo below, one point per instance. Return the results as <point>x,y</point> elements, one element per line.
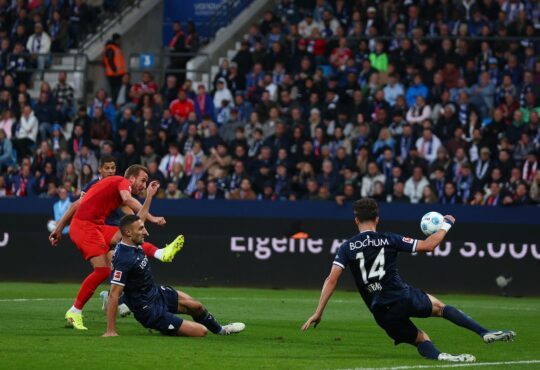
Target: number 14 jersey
<point>372,258</point>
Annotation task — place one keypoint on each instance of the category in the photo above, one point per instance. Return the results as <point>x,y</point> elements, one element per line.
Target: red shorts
<point>108,232</point>
<point>91,239</point>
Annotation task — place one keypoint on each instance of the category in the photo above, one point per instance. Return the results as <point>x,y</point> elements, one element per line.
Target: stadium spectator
<point>39,45</point>
<point>414,186</point>
<point>61,206</point>
<point>113,59</point>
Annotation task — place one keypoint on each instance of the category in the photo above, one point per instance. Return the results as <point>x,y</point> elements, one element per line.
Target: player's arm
<point>150,192</point>
<point>434,240</point>
<point>112,307</point>
<point>55,236</point>
<point>136,206</point>
<point>327,291</point>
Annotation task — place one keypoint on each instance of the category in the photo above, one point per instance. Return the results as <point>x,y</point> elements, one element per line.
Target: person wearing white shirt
<point>428,145</point>
<point>419,112</point>
<point>370,178</point>
<point>39,43</point>
<point>414,186</point>
<point>306,26</point>
<point>26,133</point>
<point>392,90</point>
<point>167,163</point>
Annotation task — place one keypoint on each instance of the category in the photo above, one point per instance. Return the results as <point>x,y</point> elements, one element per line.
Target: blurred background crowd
<point>433,101</point>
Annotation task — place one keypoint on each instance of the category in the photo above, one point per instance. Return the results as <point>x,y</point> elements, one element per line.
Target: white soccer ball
<point>431,222</point>
<point>51,225</point>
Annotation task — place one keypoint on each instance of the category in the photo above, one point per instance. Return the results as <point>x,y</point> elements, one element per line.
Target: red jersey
<point>182,108</point>
<point>102,199</point>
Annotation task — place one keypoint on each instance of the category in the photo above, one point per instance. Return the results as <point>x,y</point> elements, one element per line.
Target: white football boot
<point>464,357</point>
<point>232,328</point>
<point>499,336</point>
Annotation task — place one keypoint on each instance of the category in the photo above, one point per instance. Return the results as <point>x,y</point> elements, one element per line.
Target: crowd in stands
<point>433,101</point>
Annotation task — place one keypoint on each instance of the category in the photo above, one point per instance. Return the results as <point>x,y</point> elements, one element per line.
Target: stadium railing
<point>161,64</point>
<point>226,13</point>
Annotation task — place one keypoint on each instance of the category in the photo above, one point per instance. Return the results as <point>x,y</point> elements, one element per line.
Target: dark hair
<point>106,159</point>
<point>366,209</point>
<point>134,170</point>
<point>126,221</point>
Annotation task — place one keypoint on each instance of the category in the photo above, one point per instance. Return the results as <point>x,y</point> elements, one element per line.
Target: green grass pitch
<point>32,333</point>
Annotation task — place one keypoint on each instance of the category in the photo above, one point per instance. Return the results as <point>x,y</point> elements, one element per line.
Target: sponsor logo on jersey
<point>407,240</point>
<point>117,276</point>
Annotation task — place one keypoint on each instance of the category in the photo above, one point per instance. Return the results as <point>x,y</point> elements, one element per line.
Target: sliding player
<point>372,258</point>
<point>153,306</point>
<point>88,230</point>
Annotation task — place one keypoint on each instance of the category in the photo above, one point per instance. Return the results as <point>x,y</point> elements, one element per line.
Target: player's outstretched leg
<point>427,349</point>
<point>200,314</point>
<point>101,272</point>
<point>165,254</point>
<point>459,318</point>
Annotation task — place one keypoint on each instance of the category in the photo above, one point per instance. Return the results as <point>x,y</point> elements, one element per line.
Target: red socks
<point>149,249</point>
<point>90,284</point>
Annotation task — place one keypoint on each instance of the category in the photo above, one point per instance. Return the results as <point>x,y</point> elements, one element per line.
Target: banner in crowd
<point>183,11</point>
<point>266,252</point>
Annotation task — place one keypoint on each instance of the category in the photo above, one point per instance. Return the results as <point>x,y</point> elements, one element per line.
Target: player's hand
<point>451,218</point>
<point>152,188</point>
<point>315,319</point>
<point>54,237</point>
<point>160,221</point>
<point>109,333</point>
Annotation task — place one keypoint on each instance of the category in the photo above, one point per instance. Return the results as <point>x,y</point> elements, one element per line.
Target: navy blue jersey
<point>372,258</point>
<point>112,219</point>
<point>132,271</point>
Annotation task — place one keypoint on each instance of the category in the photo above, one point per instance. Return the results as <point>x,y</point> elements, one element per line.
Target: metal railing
<point>293,41</point>
<point>226,13</point>
<point>108,21</point>
<point>55,63</point>
<point>161,64</point>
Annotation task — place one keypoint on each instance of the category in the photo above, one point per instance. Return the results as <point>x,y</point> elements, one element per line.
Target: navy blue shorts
<point>160,315</point>
<point>395,317</point>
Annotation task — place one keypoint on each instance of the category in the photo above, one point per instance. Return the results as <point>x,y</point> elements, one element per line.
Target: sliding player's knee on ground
<point>192,329</point>
<point>437,306</point>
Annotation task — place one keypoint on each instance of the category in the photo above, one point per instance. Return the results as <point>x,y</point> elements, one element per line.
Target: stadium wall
<point>251,244</point>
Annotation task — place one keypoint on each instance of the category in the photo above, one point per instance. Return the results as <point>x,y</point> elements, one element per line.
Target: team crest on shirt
<point>117,276</point>
<point>407,240</point>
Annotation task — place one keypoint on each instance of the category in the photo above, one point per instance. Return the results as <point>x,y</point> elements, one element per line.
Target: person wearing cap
<point>39,44</point>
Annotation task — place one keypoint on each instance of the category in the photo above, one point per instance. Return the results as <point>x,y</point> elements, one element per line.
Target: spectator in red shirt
<point>181,108</point>
<point>146,86</point>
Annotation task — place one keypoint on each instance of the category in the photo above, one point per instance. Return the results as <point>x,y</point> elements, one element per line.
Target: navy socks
<point>209,321</point>
<point>428,350</point>
<point>461,319</point>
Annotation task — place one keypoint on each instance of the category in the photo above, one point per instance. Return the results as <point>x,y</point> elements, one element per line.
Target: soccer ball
<point>51,225</point>
<point>431,222</point>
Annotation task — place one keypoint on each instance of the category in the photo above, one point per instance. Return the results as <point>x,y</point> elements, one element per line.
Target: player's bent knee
<point>192,329</point>
<point>421,337</point>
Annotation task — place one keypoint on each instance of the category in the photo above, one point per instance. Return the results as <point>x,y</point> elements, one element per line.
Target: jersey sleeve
<point>120,272</point>
<point>342,258</point>
<point>124,185</point>
<point>402,243</point>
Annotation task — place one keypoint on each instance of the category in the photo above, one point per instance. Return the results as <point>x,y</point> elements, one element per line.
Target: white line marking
<point>501,363</point>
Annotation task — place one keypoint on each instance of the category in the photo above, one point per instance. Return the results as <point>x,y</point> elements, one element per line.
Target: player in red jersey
<point>107,168</point>
<point>88,230</point>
